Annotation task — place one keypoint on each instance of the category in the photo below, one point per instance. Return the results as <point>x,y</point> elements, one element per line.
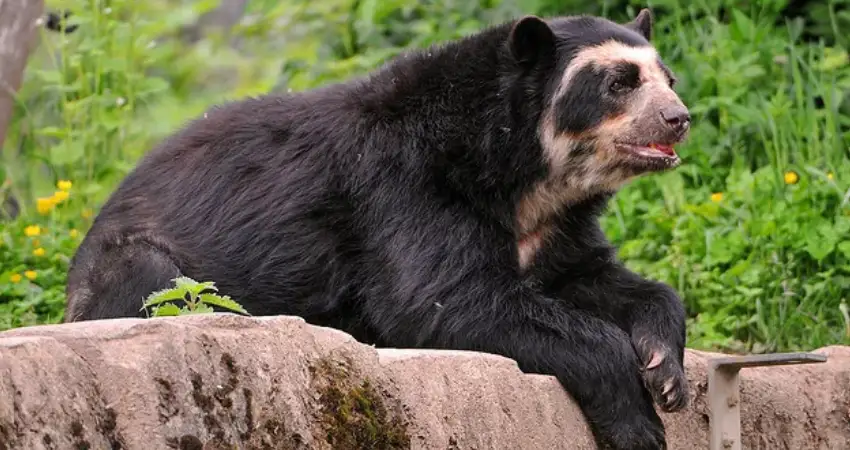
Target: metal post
<point>724,399</point>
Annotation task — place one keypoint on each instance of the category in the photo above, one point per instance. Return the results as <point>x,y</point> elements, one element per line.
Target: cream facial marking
<point>608,54</point>
<point>571,181</point>
<point>558,146</point>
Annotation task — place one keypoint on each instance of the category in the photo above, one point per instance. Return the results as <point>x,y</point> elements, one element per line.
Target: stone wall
<point>226,382</point>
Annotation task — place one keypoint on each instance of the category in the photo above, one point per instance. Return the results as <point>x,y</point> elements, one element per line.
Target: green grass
<point>752,230</point>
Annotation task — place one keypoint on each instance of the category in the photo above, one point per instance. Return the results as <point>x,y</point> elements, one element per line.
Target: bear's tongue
<point>666,149</point>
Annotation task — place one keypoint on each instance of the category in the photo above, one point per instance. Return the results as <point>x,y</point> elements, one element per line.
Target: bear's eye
<point>624,77</point>
<point>619,86</point>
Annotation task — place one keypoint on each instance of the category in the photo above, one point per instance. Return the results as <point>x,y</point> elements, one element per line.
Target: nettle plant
<point>197,298</point>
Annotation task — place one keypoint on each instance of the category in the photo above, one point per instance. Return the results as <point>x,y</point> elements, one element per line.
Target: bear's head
<point>611,108</point>
<point>609,112</point>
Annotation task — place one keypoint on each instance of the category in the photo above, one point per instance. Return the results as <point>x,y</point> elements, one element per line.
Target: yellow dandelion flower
<point>60,196</point>
<point>830,176</point>
<point>64,185</point>
<point>791,177</point>
<point>87,213</point>
<point>16,278</point>
<point>38,252</point>
<point>73,233</point>
<point>717,197</point>
<point>32,230</point>
<point>45,204</point>
<point>30,274</point>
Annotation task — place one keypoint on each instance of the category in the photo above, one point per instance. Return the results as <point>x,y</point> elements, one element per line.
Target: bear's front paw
<point>664,376</point>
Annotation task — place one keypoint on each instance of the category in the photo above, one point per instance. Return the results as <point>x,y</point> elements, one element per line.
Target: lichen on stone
<point>353,414</point>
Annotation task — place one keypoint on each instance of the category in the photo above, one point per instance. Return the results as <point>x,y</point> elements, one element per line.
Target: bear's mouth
<point>651,157</point>
<point>650,151</point>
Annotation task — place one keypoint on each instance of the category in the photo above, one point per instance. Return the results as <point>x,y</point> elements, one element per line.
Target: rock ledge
<point>224,381</point>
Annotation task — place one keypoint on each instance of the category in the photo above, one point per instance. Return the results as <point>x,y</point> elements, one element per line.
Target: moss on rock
<point>354,415</point>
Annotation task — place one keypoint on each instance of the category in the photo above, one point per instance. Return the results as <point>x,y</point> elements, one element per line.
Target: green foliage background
<point>753,229</point>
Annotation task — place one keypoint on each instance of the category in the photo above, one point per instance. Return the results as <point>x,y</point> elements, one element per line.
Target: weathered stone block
<point>225,382</point>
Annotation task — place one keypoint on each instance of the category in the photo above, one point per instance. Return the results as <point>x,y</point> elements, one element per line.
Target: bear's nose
<point>677,117</point>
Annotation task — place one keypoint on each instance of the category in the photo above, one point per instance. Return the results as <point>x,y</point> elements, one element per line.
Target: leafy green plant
<point>197,298</point>
<point>34,255</point>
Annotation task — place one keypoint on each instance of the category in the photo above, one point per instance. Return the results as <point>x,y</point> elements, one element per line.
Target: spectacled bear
<point>449,199</point>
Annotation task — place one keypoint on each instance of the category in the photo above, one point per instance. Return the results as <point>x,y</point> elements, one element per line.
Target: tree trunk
<point>224,17</point>
<point>19,28</point>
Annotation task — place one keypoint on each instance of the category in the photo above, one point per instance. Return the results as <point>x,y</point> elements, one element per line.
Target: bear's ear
<point>642,23</point>
<point>530,40</point>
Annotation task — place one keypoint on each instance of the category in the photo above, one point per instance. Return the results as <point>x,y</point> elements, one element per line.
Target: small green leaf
<point>749,292</point>
<point>821,241</point>
<point>152,85</point>
<point>193,287</point>
<point>91,189</point>
<point>833,59</point>
<point>55,132</point>
<point>842,225</point>
<point>222,302</point>
<point>67,153</point>
<point>163,296</point>
<point>818,248</point>
<point>200,308</point>
<point>166,310</point>
<point>739,268</point>
<point>844,247</point>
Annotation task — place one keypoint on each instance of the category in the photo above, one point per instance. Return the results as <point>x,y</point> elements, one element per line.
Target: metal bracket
<point>724,401</point>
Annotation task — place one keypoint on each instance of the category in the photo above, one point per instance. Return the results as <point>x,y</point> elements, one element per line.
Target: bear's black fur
<point>387,207</point>
<point>55,21</point>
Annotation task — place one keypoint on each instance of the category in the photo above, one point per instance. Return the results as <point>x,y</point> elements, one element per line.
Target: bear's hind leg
<point>116,282</point>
